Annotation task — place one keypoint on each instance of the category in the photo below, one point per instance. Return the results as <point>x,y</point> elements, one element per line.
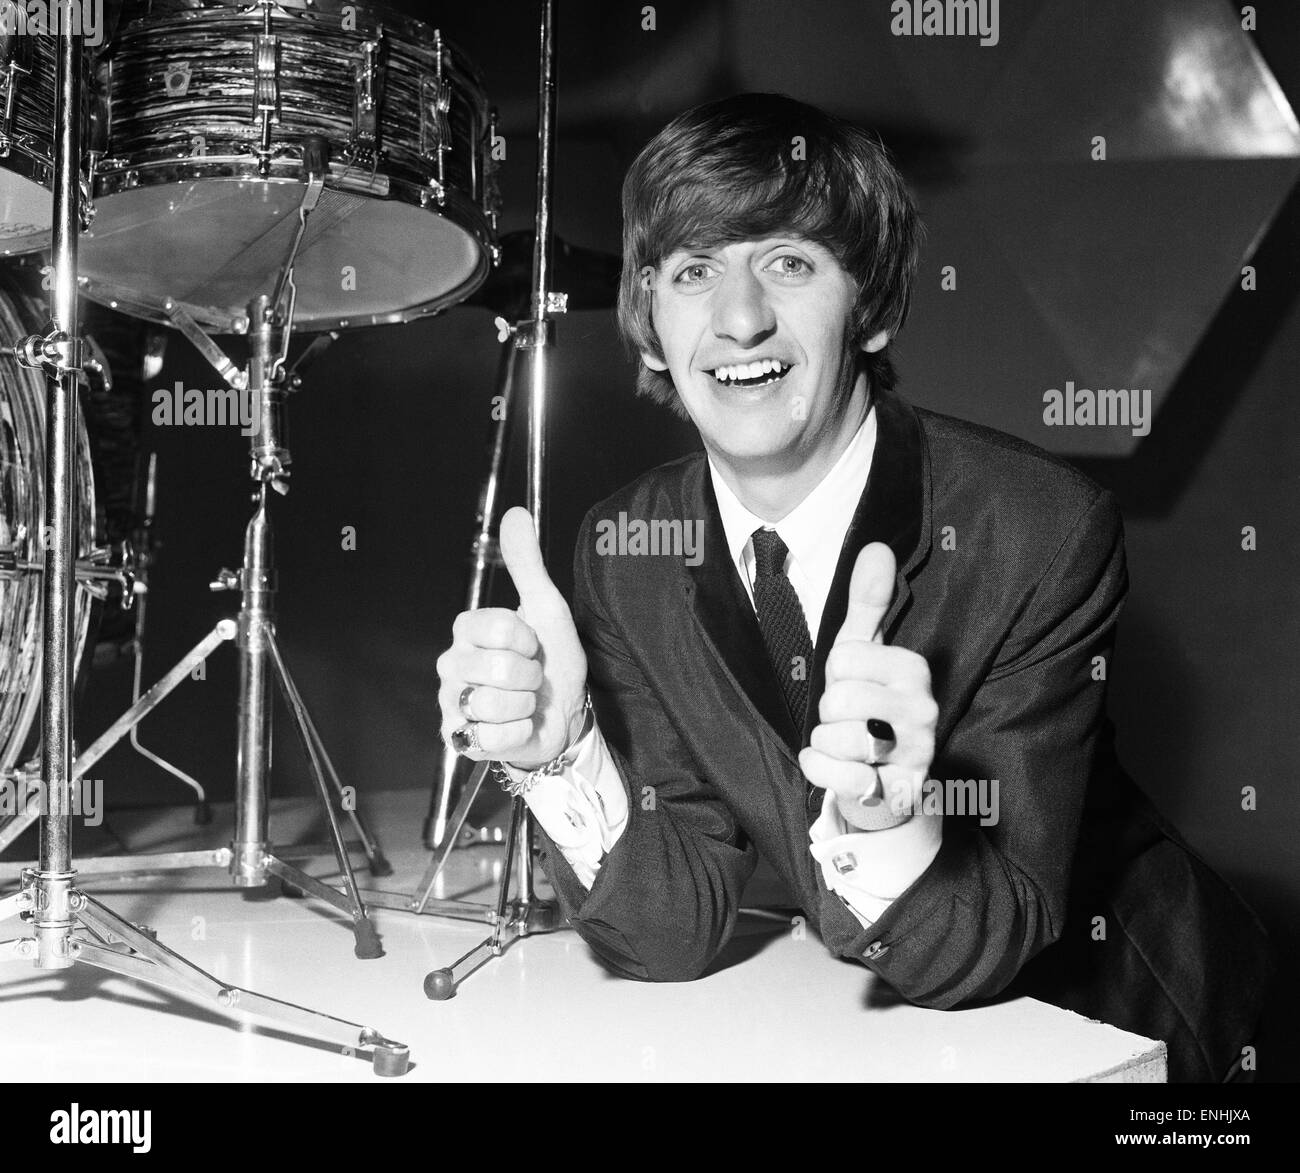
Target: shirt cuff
<point>583,808</point>
<point>869,870</point>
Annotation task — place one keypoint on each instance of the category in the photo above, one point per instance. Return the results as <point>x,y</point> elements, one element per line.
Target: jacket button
<point>874,950</point>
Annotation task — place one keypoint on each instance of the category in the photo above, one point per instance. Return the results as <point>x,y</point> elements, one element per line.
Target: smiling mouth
<point>760,373</point>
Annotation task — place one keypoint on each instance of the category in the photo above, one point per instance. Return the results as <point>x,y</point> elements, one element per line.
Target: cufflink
<point>845,862</point>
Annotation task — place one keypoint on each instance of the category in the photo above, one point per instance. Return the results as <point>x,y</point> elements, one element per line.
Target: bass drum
<point>22,514</point>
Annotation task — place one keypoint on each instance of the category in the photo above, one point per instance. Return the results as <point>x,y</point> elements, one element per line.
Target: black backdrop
<point>388,436</point>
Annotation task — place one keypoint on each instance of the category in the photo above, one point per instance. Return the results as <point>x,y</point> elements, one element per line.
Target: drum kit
<point>252,168</point>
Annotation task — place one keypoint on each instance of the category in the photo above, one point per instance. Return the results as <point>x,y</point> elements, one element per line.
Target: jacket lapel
<point>894,508</point>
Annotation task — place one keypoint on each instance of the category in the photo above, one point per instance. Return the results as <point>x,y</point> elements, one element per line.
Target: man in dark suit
<point>862,639</point>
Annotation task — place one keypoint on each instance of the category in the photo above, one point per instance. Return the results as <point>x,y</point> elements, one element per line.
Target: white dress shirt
<point>584,809</point>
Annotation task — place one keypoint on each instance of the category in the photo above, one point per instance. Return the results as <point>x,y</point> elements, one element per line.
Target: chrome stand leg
<point>486,558</point>
<point>474,785</point>
<point>127,950</point>
<point>349,901</point>
<point>376,862</point>
<point>224,630</point>
<point>510,919</point>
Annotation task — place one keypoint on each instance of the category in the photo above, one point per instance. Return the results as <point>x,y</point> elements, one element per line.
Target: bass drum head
<point>210,245</point>
<point>22,514</point>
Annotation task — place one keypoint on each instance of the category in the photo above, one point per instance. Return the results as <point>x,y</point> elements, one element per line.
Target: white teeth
<point>752,370</point>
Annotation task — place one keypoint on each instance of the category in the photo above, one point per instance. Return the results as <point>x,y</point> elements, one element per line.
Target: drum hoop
<point>23,160</point>
<point>457,207</point>
<point>34,169</point>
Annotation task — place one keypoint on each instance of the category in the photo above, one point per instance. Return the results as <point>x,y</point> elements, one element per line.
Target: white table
<point>784,1009</point>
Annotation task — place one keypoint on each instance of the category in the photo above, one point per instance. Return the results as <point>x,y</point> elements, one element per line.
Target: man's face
<point>756,339</point>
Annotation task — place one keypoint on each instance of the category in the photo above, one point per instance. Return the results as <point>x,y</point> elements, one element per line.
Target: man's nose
<point>741,312</point>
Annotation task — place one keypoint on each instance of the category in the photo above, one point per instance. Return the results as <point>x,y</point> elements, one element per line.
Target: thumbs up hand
<point>869,683</point>
<point>527,667</point>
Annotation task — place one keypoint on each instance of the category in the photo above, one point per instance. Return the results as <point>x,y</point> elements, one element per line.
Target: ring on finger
<point>882,737</point>
<point>875,793</point>
<point>466,697</point>
<point>465,739</point>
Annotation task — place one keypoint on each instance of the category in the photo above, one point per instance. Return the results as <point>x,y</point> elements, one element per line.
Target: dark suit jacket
<point>1012,621</point>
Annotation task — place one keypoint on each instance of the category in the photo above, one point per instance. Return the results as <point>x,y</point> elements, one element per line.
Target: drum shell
<point>27,67</point>
<point>22,497</point>
<point>180,99</point>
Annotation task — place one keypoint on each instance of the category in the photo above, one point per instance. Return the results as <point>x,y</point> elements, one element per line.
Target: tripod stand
<point>249,859</point>
<point>68,926</point>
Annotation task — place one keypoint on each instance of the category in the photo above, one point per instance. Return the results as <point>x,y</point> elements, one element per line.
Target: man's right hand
<point>528,668</point>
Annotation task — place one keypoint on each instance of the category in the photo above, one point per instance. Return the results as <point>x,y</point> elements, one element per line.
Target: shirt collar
<point>814,529</point>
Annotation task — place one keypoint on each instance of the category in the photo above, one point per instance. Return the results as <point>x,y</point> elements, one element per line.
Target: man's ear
<point>876,342</point>
<point>654,362</point>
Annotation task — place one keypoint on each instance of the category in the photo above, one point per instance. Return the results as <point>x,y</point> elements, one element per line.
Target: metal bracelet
<point>517,788</point>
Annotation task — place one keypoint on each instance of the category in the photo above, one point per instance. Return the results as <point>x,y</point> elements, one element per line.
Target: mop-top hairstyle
<point>759,165</point>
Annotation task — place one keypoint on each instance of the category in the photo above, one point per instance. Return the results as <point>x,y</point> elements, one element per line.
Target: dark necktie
<point>781,620</point>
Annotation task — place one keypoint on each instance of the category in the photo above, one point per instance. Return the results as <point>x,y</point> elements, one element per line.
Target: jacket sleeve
<point>666,897</point>
<point>996,895</point>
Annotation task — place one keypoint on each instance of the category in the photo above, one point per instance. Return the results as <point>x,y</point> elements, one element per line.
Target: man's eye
<point>693,274</point>
<point>791,266</point>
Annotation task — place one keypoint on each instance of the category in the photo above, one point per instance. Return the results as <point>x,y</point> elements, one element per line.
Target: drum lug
<point>435,127</point>
<point>87,209</point>
<point>16,60</point>
<point>490,198</point>
<point>368,96</point>
<point>266,88</point>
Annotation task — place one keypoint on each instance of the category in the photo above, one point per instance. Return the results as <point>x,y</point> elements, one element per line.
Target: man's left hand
<point>866,679</point>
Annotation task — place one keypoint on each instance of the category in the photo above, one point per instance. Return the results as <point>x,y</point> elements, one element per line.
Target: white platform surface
<point>783,1009</point>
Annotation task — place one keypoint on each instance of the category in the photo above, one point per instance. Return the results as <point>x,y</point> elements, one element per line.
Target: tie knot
<point>769,552</point>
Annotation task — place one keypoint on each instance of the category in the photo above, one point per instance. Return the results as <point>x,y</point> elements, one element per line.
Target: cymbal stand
<point>526,913</point>
<point>68,926</point>
<point>485,559</point>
